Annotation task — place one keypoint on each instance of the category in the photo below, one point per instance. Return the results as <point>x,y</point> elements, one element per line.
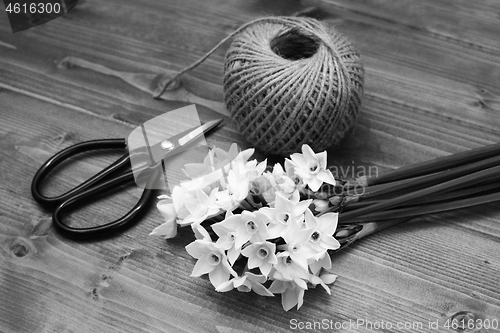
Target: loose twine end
<point>168,83</point>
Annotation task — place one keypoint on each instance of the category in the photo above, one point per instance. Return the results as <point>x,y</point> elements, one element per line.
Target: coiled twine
<point>292,81</point>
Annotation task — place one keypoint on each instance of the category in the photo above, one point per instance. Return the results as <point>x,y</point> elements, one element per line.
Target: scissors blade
<point>198,132</point>
<point>179,142</point>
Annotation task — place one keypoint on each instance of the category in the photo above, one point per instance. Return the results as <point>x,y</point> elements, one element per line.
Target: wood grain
<point>432,88</point>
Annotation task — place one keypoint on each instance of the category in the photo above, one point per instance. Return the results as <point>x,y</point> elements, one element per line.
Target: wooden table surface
<point>432,88</point>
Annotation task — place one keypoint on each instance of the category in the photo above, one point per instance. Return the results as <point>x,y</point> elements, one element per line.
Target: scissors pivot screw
<point>166,145</point>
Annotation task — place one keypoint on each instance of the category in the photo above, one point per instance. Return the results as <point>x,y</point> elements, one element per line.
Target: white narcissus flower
<point>227,180</point>
<point>253,170</point>
<point>248,226</point>
<point>277,181</point>
<point>232,154</point>
<point>246,283</point>
<point>284,183</point>
<point>311,168</point>
<point>200,232</point>
<point>227,243</point>
<point>296,238</point>
<point>169,228</point>
<point>285,212</point>
<point>213,172</point>
<point>263,187</point>
<point>325,261</point>
<point>237,188</point>
<point>290,172</point>
<point>179,197</point>
<point>300,254</point>
<point>321,230</point>
<point>236,183</point>
<point>206,182</point>
<point>281,182</point>
<point>323,280</point>
<point>287,269</point>
<point>292,293</point>
<point>321,205</point>
<point>261,255</point>
<point>215,159</point>
<point>212,260</point>
<point>201,207</point>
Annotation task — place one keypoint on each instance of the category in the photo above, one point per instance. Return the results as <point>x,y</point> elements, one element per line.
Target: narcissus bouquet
<point>271,230</point>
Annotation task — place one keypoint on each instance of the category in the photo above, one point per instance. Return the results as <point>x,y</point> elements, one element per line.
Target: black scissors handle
<point>95,185</point>
<point>110,227</point>
<point>63,155</point>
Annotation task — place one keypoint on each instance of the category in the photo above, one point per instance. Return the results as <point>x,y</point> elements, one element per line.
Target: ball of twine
<point>289,81</point>
<point>292,81</point>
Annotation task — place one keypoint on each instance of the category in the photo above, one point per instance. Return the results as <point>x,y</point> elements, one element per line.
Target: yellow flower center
<point>315,236</point>
<point>262,253</point>
<point>213,259</point>
<point>283,218</point>
<point>251,227</point>
<point>313,167</point>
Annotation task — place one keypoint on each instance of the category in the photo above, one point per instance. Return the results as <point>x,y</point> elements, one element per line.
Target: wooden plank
<point>431,90</point>
<point>386,80</point>
<point>27,253</point>
<point>140,275</point>
<point>472,25</point>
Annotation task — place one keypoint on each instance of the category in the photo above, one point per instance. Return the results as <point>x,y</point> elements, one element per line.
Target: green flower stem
<point>453,184</point>
<point>373,227</point>
<point>245,205</point>
<point>410,212</point>
<point>381,187</point>
<point>435,165</point>
<point>468,192</point>
<point>445,197</point>
<point>367,229</point>
<point>436,178</point>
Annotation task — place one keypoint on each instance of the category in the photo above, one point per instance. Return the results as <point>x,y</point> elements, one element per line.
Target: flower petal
<point>225,286</point>
<point>300,298</point>
<point>314,183</point>
<point>328,222</point>
<point>218,276</point>
<point>261,290</point>
<point>290,298</point>
<point>298,160</point>
<point>328,278</point>
<point>241,237</point>
<point>254,261</point>
<point>322,159</point>
<point>232,255</point>
<point>167,229</point>
<point>198,248</point>
<point>315,280</point>
<point>202,267</point>
<point>326,177</point>
<point>265,268</point>
<point>195,169</point>
<point>200,232</point>
<point>277,287</point>
<point>308,152</point>
<point>300,283</point>
<point>167,210</point>
<point>329,242</point>
<point>239,281</point>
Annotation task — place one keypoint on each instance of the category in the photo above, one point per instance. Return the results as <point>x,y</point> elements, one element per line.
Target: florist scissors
<point>118,173</point>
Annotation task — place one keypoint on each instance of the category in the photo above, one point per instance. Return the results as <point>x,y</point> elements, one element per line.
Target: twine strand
<point>289,81</point>
<point>162,87</point>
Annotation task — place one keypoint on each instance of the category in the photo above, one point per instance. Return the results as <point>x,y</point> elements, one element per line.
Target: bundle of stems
<point>456,181</point>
